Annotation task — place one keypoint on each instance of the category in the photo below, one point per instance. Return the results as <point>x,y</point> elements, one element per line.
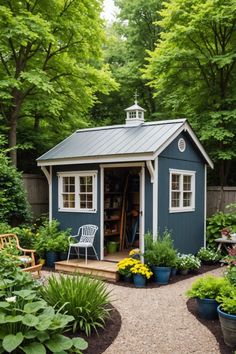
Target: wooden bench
<point>27,257</point>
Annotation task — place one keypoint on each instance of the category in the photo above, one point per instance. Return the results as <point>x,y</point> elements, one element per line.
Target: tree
<point>133,32</point>
<point>50,63</point>
<point>192,69</point>
<point>14,207</point>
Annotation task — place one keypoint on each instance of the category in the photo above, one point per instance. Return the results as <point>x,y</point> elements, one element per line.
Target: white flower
<point>11,299</point>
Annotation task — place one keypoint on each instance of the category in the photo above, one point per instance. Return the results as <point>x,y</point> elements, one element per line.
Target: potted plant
<point>188,262</point>
<point>227,314</point>
<point>206,290</point>
<point>124,268</point>
<point>209,256</point>
<point>141,272</point>
<point>160,255</point>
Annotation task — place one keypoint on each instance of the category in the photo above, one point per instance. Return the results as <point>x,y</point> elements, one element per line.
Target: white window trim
<point>181,208</point>
<point>77,174</point>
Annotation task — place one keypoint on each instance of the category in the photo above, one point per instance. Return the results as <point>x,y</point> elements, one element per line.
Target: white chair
<point>87,235</point>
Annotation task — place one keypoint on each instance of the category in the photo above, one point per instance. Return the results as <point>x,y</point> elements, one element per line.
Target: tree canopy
<point>192,70</point>
<point>50,66</point>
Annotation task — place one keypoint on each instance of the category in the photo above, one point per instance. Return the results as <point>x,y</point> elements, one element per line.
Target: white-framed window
<point>132,114</point>
<point>182,191</point>
<point>77,191</point>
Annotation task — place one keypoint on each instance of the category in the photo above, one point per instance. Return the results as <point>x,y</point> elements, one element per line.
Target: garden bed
<point>213,326</point>
<point>176,278</point>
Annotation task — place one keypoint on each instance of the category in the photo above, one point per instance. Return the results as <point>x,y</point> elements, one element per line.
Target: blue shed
<point>131,179</point>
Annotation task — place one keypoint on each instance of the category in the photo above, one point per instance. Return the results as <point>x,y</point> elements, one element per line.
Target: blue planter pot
<point>207,308</point>
<point>51,258</point>
<point>228,326</point>
<point>139,280</point>
<point>161,274</point>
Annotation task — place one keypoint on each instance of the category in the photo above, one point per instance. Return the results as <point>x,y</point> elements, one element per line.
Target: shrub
<point>50,238</point>
<point>218,222</point>
<point>231,275</point>
<point>82,297</point>
<point>29,325</point>
<point>14,207</point>
<point>227,299</point>
<point>208,287</point>
<point>208,255</point>
<point>160,252</point>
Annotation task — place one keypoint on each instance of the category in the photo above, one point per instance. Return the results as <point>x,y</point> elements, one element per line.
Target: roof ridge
<point>118,126</point>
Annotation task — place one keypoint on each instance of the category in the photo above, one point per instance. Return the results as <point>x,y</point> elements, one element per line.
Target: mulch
<point>99,341</point>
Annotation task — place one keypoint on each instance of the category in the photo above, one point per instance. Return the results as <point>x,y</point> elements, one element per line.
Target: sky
<point>109,10</point>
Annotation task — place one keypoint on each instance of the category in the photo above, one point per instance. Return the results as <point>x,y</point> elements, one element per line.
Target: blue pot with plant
<point>161,256</point>
<point>227,314</point>
<point>206,291</point>
<point>141,272</point>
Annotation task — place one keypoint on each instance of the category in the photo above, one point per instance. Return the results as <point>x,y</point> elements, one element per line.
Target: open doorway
<point>122,210</point>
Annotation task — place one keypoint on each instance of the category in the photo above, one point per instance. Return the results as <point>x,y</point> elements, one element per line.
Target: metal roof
<point>119,143</point>
<point>113,140</point>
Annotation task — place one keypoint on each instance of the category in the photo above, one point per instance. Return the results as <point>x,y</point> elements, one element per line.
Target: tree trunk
<point>12,122</point>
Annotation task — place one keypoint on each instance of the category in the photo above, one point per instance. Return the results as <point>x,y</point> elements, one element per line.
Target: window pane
<point>83,197</point>
<point>82,180</point>
<point>89,180</point>
<point>89,197</point>
<point>82,188</point>
<point>83,205</point>
<point>175,183</point>
<point>89,188</point>
<point>175,199</point>
<point>89,205</point>
<point>187,196</point>
<point>68,200</point>
<point>187,183</point>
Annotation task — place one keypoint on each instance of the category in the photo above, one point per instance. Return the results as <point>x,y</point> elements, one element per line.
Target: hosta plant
<point>28,325</point>
<point>86,299</point>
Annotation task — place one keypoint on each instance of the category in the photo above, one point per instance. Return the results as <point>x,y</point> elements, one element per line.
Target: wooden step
<point>100,269</point>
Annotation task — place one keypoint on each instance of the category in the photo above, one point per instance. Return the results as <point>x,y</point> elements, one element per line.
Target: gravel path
<point>156,321</point>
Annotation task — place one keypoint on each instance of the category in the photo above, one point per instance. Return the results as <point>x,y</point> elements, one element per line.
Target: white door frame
<point>142,201</point>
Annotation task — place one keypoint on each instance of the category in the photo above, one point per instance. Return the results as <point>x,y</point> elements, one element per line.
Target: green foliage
<point>160,252</point>
<point>50,238</point>
<point>231,274</point>
<point>29,325</point>
<point>227,299</point>
<point>14,207</point>
<point>192,71</point>
<point>219,221</point>
<point>51,68</point>
<point>207,287</point>
<point>208,255</point>
<point>84,298</point>
<point>11,276</point>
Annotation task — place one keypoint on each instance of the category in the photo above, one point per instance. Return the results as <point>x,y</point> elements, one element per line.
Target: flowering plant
<point>188,261</point>
<point>208,255</point>
<point>124,266</point>
<point>225,232</point>
<point>142,269</point>
<point>135,253</point>
<point>230,259</point>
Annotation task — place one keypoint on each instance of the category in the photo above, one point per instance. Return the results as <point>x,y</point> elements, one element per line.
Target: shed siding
<point>187,227</point>
<point>74,220</point>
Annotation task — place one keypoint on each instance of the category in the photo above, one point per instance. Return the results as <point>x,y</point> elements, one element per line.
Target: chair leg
<point>68,256</point>
<point>95,253</point>
<point>86,255</point>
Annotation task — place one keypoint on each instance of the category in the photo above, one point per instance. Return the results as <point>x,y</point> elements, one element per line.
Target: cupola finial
<point>136,97</point>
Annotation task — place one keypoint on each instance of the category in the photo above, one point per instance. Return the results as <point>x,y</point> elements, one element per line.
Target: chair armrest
<point>72,237</point>
<point>26,250</point>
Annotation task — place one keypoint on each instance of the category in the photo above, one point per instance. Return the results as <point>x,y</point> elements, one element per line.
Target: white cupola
<point>134,114</point>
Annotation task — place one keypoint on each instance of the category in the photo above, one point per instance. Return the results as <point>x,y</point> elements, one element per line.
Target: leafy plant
<point>29,325</point>
<point>50,238</point>
<point>227,299</point>
<point>160,252</point>
<point>218,222</point>
<point>208,255</point>
<point>14,207</point>
<point>231,275</point>
<point>208,287</point>
<point>82,297</point>
<point>188,261</point>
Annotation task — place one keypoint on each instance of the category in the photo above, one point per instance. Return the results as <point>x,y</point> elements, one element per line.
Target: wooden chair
<point>28,256</point>
<point>86,233</point>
